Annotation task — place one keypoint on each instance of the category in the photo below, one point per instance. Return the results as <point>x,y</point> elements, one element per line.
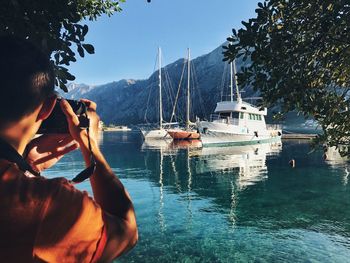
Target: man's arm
<point>109,192</point>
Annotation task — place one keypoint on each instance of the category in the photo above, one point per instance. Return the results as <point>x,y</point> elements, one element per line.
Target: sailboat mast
<point>160,88</point>
<point>236,81</point>
<point>188,89</point>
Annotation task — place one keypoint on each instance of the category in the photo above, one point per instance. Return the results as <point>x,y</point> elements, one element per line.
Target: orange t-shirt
<point>47,220</point>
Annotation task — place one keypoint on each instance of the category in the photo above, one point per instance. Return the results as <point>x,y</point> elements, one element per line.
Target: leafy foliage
<point>300,59</point>
<point>56,26</point>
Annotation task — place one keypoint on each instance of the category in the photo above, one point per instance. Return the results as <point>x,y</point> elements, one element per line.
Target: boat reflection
<point>334,158</point>
<point>248,162</point>
<point>157,145</point>
<point>189,170</point>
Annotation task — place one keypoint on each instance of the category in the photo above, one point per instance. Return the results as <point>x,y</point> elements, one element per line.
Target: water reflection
<point>334,159</point>
<point>161,194</point>
<point>186,167</point>
<point>248,162</point>
<point>158,145</point>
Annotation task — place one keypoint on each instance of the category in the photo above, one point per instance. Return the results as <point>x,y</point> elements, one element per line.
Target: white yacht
<point>237,122</point>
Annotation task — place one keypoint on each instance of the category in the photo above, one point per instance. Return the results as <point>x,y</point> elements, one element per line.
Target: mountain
<point>137,101</point>
<point>76,90</point>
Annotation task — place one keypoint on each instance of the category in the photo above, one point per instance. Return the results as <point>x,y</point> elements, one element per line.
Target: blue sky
<point>126,43</point>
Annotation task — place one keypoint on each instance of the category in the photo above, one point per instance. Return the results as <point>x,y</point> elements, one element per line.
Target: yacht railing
<point>221,119</point>
<point>273,126</point>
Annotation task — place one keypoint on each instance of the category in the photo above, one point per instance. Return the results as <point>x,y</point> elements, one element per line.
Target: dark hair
<point>26,78</point>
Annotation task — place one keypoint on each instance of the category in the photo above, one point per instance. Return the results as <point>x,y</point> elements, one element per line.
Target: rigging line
<point>167,86</point>
<point>150,90</point>
<point>168,79</point>
<point>223,82</point>
<point>148,99</point>
<point>178,93</point>
<point>170,87</point>
<point>168,90</point>
<point>196,88</point>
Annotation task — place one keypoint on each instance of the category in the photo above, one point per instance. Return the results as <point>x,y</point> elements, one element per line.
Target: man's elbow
<point>133,234</point>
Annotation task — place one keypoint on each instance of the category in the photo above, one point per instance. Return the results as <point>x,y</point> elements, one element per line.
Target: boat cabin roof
<point>239,106</point>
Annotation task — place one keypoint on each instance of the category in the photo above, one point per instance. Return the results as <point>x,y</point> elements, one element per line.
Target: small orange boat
<point>184,135</point>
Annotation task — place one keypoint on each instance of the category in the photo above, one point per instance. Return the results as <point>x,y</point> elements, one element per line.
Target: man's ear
<point>47,108</point>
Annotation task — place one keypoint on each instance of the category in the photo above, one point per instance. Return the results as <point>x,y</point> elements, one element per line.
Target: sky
<point>126,44</point>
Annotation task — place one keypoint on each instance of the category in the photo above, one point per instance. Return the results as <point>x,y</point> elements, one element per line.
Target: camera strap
<point>8,153</point>
<point>85,174</point>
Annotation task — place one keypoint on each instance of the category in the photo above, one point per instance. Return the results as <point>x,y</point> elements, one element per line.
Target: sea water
<point>228,204</point>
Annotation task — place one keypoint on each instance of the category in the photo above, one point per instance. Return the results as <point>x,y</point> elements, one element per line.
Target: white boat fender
<point>292,163</point>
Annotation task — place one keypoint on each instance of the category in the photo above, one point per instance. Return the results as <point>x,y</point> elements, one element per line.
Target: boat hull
<point>184,135</point>
<point>214,133</point>
<point>155,134</point>
<point>231,139</point>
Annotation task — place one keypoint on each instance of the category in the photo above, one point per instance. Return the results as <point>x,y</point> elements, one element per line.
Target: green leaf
<point>80,51</point>
<point>85,29</point>
<point>63,87</point>
<point>89,48</point>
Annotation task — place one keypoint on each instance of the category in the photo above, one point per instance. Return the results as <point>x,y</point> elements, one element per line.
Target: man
<point>48,220</point>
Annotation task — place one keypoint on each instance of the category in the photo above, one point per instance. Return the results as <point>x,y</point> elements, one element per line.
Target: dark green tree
<point>299,53</point>
<point>57,26</point>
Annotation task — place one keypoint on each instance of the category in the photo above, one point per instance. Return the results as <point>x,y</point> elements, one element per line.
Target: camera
<point>57,122</point>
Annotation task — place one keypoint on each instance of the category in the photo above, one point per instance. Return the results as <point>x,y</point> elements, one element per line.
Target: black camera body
<point>57,122</point>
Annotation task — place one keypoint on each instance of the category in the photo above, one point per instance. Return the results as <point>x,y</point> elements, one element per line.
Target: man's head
<point>26,90</point>
<point>26,78</point>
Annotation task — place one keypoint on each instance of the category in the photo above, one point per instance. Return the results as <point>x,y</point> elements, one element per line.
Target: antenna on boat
<point>188,89</point>
<point>160,87</point>
<point>234,77</point>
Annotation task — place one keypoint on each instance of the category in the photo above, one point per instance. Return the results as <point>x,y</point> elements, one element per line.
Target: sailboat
<point>237,122</point>
<point>159,133</point>
<point>188,133</point>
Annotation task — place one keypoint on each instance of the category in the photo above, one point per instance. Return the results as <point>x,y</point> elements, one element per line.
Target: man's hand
<point>79,134</point>
<point>44,151</point>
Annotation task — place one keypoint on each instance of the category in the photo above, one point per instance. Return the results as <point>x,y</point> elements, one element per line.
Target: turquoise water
<point>229,204</point>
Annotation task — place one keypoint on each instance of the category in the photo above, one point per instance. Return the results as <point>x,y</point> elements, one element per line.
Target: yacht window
<point>235,115</point>
<point>250,116</point>
<point>259,117</point>
<point>241,115</point>
<point>225,114</point>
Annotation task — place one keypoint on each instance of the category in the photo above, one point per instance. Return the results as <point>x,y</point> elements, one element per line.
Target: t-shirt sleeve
<point>71,229</point>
